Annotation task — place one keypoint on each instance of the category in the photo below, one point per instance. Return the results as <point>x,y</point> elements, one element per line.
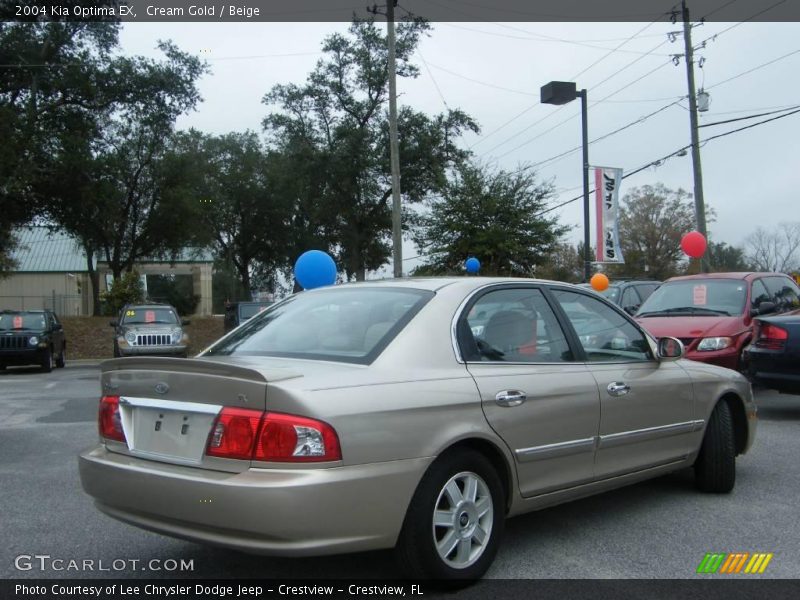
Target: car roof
<point>744,275</point>
<point>467,283</point>
<point>148,305</point>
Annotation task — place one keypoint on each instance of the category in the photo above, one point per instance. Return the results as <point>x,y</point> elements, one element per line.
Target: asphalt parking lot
<point>657,529</point>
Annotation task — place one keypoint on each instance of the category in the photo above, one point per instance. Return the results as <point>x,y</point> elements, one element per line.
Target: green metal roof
<point>42,251</point>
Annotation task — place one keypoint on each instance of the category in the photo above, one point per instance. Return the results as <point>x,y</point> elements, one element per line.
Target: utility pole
<point>699,204</point>
<point>394,150</point>
<point>587,250</point>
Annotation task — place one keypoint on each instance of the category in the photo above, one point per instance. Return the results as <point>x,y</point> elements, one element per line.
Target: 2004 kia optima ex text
<point>416,414</point>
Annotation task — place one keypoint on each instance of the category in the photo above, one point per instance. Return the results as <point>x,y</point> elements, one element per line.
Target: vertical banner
<point>606,184</point>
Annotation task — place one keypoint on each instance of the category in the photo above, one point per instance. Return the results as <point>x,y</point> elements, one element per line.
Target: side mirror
<point>113,323</point>
<point>185,322</point>
<point>767,307</point>
<point>670,348</point>
<point>631,309</point>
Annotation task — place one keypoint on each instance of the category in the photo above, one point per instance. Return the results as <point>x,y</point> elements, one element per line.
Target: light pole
<point>561,92</point>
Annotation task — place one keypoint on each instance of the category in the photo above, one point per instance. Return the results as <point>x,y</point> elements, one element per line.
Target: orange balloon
<point>599,282</point>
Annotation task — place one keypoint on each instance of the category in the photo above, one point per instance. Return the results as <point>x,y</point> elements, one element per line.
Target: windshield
<point>696,297</point>
<point>346,325</point>
<point>21,321</point>
<point>138,316</point>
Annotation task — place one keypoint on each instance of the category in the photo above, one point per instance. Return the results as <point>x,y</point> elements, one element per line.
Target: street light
<point>562,92</point>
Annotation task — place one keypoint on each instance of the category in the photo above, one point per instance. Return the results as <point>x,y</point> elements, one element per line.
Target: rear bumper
<point>774,370</point>
<point>287,512</point>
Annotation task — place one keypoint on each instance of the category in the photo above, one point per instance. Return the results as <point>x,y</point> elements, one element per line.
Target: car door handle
<point>618,388</point>
<point>509,398</point>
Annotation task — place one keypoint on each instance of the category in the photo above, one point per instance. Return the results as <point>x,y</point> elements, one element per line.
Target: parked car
<point>712,313</point>
<point>627,294</point>
<point>150,329</point>
<point>32,337</point>
<point>773,357</point>
<point>237,313</point>
<point>369,415</point>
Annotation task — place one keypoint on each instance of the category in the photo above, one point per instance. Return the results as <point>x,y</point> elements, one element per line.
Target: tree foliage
<point>337,125</point>
<point>240,202</point>
<point>777,250</point>
<point>492,215</point>
<point>564,263</point>
<point>721,258</point>
<point>652,220</point>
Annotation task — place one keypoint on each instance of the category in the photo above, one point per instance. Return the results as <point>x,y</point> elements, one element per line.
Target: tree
<point>338,120</point>
<point>492,215</point>
<point>721,258</point>
<point>777,251</point>
<point>652,221</point>
<point>107,178</point>
<point>564,263</point>
<point>240,205</point>
<point>46,70</point>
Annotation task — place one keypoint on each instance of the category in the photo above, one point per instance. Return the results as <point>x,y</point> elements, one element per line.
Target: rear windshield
<point>345,325</point>
<point>697,297</point>
<point>247,311</point>
<point>157,315</point>
<point>21,321</point>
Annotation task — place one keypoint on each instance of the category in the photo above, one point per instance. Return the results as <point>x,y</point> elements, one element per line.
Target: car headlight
<point>130,337</point>
<point>176,335</point>
<point>714,343</point>
<point>33,340</point>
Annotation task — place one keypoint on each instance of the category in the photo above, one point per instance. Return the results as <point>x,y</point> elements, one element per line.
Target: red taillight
<point>771,336</point>
<point>253,435</point>
<point>109,420</point>
<point>288,438</point>
<point>234,433</point>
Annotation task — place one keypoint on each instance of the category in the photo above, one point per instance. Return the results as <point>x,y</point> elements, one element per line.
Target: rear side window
<point>784,291</point>
<point>513,325</point>
<point>345,325</point>
<point>645,289</point>
<point>630,298</point>
<point>759,294</point>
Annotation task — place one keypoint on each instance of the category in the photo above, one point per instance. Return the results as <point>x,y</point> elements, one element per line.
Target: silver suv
<point>150,329</point>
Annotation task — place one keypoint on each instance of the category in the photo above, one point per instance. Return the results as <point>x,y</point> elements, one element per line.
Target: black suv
<point>628,295</point>
<point>32,337</point>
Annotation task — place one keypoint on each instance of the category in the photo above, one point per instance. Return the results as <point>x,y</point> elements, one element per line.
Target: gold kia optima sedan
<point>416,414</point>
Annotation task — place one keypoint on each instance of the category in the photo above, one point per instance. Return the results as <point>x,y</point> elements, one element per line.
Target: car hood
<point>692,327</point>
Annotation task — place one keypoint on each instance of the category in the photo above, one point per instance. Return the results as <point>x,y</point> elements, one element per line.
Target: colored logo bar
<point>734,562</point>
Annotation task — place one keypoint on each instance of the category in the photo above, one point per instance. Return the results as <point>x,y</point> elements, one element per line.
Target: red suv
<point>712,313</point>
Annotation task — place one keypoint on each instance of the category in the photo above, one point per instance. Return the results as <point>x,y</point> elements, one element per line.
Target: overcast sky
<point>493,71</point>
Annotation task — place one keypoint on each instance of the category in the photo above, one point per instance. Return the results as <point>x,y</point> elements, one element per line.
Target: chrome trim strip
<point>195,407</point>
<point>642,435</point>
<point>698,424</point>
<point>556,450</point>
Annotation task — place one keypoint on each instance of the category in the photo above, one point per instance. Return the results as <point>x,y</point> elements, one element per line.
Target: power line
<point>761,66</point>
<point>747,117</point>
<point>660,161</point>
<point>541,35</point>
<point>433,79</point>
<point>483,83</point>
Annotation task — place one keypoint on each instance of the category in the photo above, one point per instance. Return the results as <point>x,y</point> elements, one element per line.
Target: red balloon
<point>693,244</point>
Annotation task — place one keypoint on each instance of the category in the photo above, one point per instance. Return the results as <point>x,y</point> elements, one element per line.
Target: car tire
<point>461,549</point>
<point>715,467</point>
<point>47,361</point>
<point>61,361</point>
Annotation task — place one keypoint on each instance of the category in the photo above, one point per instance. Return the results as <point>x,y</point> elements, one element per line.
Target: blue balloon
<point>473,265</point>
<point>314,269</point>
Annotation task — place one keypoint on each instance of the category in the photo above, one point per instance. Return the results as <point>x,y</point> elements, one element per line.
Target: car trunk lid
<point>168,406</point>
